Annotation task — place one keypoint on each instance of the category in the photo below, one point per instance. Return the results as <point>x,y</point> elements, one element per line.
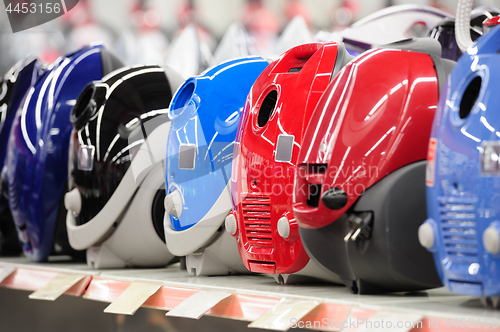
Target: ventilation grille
<point>257,219</point>
<point>458,227</point>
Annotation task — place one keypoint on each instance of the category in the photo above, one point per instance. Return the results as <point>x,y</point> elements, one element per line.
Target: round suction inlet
<point>469,98</point>
<point>267,108</point>
<point>84,108</point>
<point>182,98</point>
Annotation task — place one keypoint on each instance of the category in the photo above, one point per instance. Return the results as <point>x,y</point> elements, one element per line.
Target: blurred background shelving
<point>113,21</point>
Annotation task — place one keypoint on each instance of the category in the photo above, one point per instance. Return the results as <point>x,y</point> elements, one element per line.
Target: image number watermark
<point>26,14</point>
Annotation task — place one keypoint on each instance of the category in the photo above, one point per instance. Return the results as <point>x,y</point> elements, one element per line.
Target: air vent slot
<point>458,227</point>
<point>257,220</point>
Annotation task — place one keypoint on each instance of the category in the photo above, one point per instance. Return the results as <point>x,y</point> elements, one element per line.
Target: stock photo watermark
<point>351,323</point>
<point>387,324</point>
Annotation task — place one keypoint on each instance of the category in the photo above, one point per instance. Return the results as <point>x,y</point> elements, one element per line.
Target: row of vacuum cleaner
<point>312,165</point>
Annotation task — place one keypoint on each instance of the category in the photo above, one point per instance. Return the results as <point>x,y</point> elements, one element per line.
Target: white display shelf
<point>253,296</point>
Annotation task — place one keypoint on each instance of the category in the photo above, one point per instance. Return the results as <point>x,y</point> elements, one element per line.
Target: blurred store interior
<point>141,31</point>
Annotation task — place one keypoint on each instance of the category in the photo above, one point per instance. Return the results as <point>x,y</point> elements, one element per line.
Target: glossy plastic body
<point>269,137</point>
<point>103,125</point>
<point>371,121</point>
<point>205,113</point>
<point>116,168</point>
<point>37,157</point>
<point>13,88</point>
<point>366,143</point>
<point>462,172</point>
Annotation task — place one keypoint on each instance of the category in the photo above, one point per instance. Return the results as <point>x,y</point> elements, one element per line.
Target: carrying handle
<point>462,24</point>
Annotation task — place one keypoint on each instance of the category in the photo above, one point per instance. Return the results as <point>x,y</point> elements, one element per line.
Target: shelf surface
<point>254,295</point>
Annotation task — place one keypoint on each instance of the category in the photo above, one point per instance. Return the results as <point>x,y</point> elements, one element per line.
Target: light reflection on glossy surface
<point>372,120</point>
<point>127,100</point>
<point>263,189</point>
<point>205,112</point>
<point>38,149</point>
<point>465,177</point>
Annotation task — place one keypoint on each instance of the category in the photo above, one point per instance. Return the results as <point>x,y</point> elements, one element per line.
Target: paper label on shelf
<point>282,316</point>
<point>56,287</point>
<point>391,321</point>
<point>198,303</point>
<point>6,271</point>
<point>133,297</point>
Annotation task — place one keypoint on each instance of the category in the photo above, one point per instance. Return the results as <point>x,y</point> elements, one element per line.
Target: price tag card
<point>6,271</point>
<point>133,297</point>
<point>198,303</point>
<point>282,316</point>
<point>56,287</point>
